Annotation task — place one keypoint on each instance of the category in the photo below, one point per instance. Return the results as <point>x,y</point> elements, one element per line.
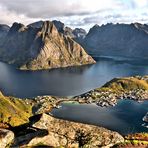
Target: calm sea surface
<point>125,117</point>
<point>65,81</point>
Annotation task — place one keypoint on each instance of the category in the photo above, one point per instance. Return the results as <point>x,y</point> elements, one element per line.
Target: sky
<point>74,13</point>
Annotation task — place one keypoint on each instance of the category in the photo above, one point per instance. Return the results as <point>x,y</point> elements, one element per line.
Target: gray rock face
<point>118,40</point>
<point>78,34</point>
<point>59,25</point>
<point>6,138</point>
<point>36,24</point>
<point>3,32</point>
<point>34,48</point>
<point>70,134</point>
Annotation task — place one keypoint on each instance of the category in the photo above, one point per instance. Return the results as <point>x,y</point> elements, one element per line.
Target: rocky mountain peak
<point>16,27</point>
<point>123,40</point>
<point>4,28</point>
<point>36,24</point>
<point>59,25</point>
<point>142,27</point>
<point>44,47</point>
<point>48,29</point>
<point>79,33</point>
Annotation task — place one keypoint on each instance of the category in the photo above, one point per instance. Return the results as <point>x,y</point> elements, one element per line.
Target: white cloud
<point>140,3</point>
<point>83,13</point>
<point>8,17</point>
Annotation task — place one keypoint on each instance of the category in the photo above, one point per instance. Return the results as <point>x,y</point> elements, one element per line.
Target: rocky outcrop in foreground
<point>68,134</point>
<point>6,138</point>
<point>32,127</point>
<point>33,48</point>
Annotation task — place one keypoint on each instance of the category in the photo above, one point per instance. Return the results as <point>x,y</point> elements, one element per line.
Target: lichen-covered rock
<point>33,48</point>
<point>69,134</point>
<point>6,138</point>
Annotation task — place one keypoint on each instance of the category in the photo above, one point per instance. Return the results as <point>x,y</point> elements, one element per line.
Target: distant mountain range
<point>121,40</point>
<point>125,40</point>
<point>40,46</point>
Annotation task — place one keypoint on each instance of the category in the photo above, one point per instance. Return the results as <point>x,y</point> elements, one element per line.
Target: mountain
<point>36,47</point>
<point>125,40</point>
<point>78,34</point>
<point>3,31</point>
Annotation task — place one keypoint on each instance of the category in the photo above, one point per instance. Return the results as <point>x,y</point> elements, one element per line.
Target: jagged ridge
<point>41,48</point>
<point>124,40</point>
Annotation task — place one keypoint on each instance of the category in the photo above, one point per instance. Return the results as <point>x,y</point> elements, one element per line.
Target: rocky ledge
<point>6,138</point>
<point>67,134</point>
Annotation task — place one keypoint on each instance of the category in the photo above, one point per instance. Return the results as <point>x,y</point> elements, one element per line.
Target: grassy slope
<point>125,84</point>
<point>14,111</point>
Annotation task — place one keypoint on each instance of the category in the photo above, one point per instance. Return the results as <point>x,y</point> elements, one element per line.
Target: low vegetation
<point>14,111</point>
<point>134,140</point>
<point>127,84</point>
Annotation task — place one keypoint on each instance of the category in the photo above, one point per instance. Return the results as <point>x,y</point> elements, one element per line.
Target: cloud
<point>76,13</point>
<point>8,17</point>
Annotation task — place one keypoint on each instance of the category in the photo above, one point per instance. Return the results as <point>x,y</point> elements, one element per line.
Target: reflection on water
<point>125,117</point>
<point>65,81</point>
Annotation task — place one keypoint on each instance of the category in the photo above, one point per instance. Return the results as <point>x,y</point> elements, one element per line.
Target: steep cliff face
<point>78,34</point>
<point>43,47</point>
<point>126,40</point>
<point>3,32</point>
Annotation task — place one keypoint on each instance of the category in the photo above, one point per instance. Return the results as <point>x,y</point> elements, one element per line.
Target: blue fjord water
<point>64,81</point>
<point>125,117</point>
